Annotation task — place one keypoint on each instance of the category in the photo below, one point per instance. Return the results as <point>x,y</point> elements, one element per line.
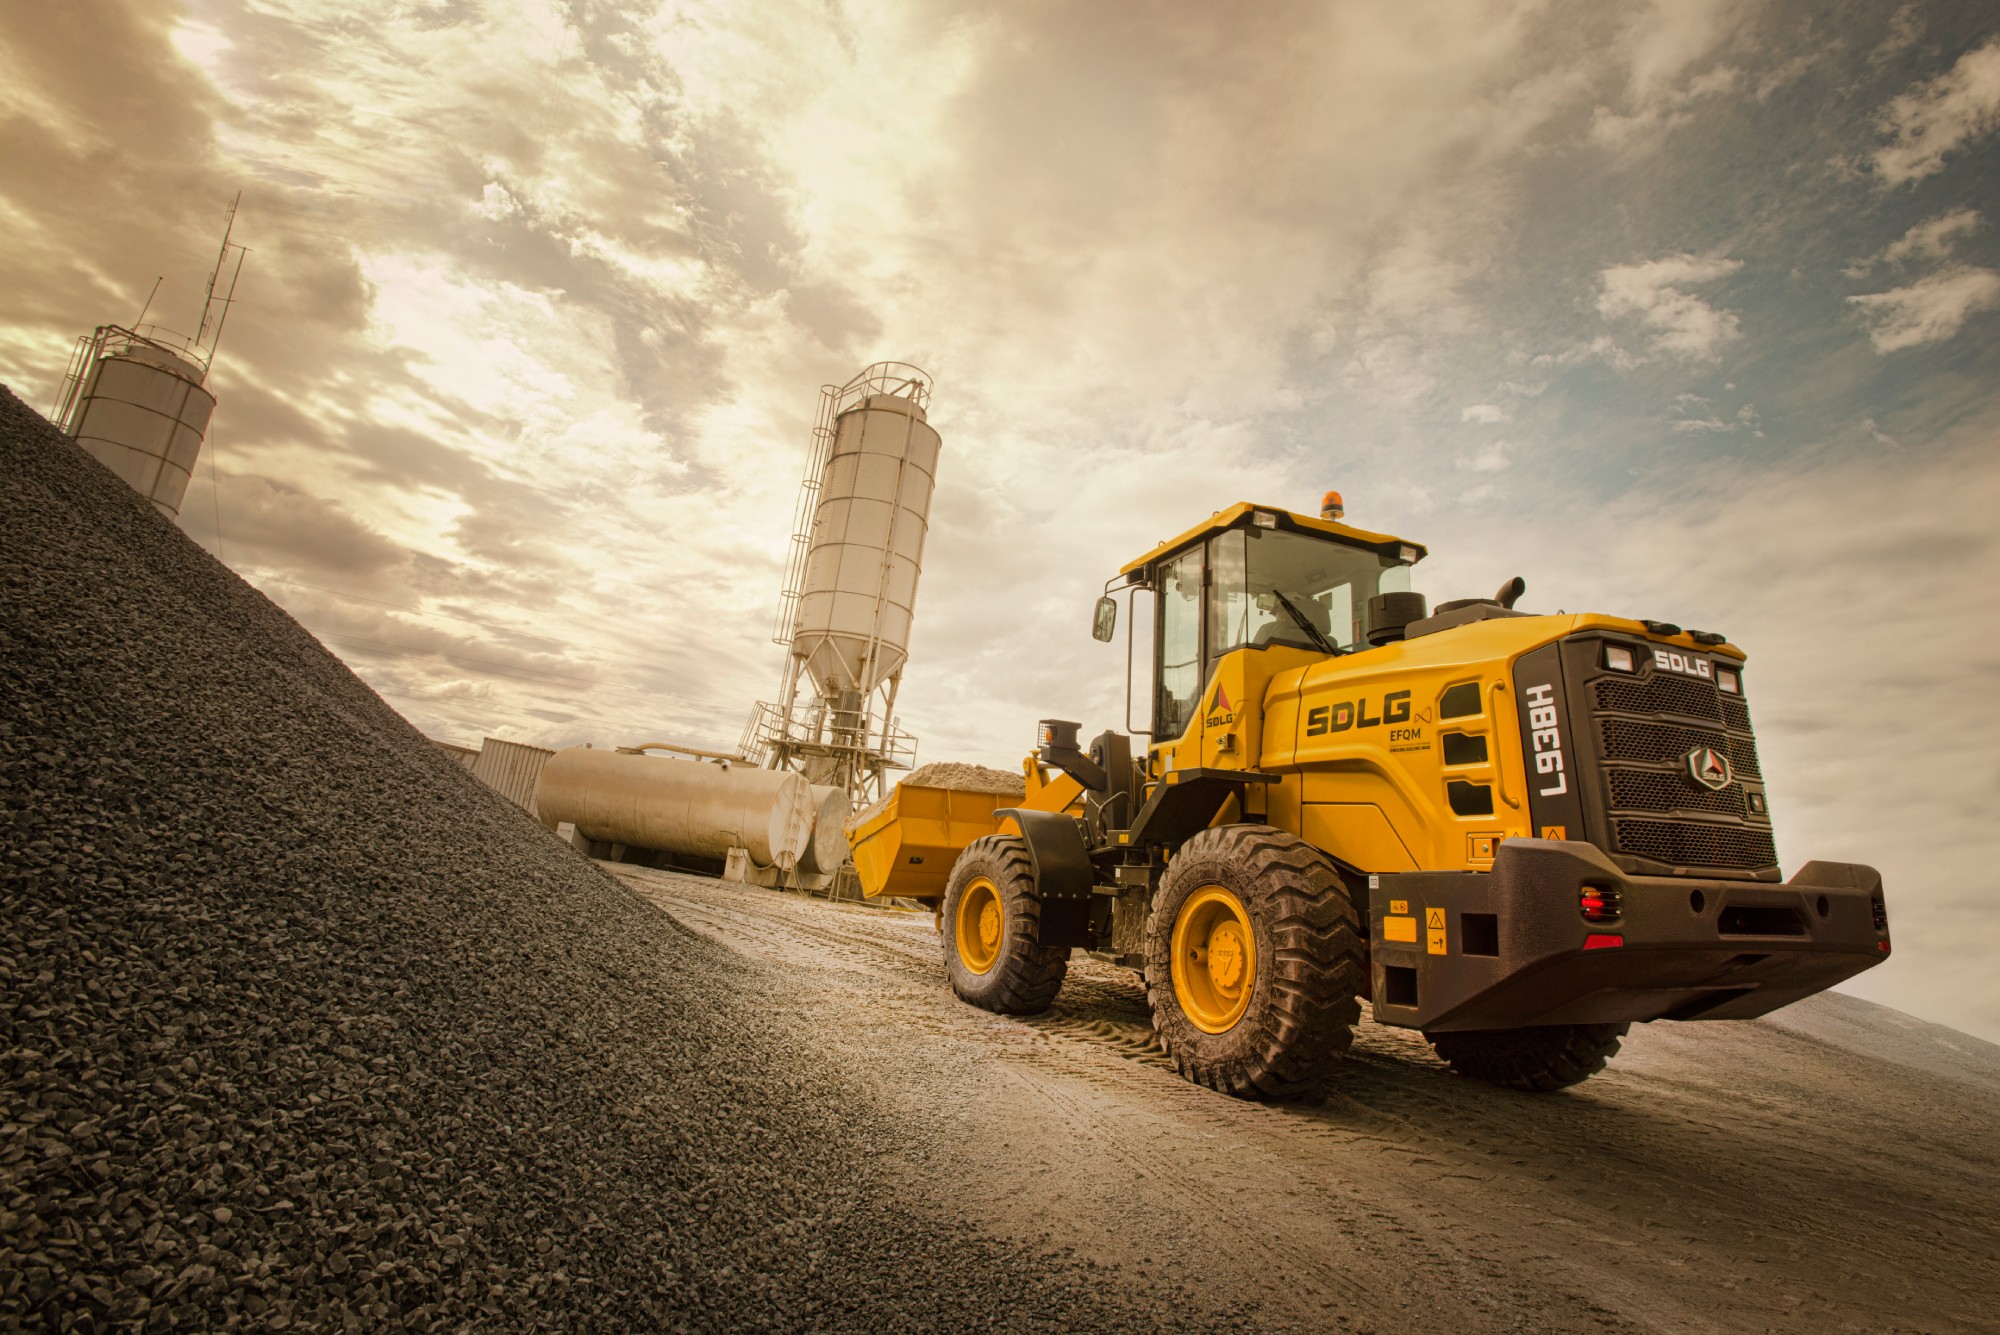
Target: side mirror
<point>1104,621</point>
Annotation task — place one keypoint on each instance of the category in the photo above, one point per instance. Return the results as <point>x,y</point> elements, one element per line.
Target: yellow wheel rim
<point>1215,959</point>
<point>981,925</point>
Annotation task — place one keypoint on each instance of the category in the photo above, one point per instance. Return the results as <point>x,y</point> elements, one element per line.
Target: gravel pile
<point>302,1027</point>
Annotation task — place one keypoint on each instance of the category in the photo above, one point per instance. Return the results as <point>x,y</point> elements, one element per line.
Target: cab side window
<point>1180,646</point>
<point>1228,598</point>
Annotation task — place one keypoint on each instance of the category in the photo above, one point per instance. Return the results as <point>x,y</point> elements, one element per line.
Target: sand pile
<point>968,779</point>
<point>301,1026</point>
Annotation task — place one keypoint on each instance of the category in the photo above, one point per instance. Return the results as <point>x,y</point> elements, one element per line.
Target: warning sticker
<point>1399,929</point>
<point>1434,931</point>
<point>1555,832</point>
<point>1434,920</point>
<point>1399,906</point>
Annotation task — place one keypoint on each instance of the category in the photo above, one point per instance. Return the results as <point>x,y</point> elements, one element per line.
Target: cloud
<point>1416,281</point>
<point>1906,26</point>
<point>1682,324</point>
<point>1940,116</point>
<point>1697,418</point>
<point>1667,48</point>
<point>1932,239</point>
<point>1929,310</point>
<point>1490,459</point>
<point>1878,435</point>
<point>1658,114</point>
<point>1602,348</point>
<point>1482,412</point>
<point>295,531</point>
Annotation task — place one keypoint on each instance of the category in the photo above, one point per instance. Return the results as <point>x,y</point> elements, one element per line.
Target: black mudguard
<point>1063,874</point>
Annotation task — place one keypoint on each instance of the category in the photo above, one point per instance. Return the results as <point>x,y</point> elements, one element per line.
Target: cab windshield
<point>1264,587</point>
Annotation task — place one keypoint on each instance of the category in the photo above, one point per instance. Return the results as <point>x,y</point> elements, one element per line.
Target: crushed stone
<point>303,1028</point>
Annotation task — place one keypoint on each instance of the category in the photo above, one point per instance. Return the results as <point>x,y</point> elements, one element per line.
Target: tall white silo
<point>853,626</point>
<point>141,411</point>
<point>134,397</point>
<point>851,587</point>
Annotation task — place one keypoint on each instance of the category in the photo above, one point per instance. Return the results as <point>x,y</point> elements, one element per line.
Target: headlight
<point>1618,658</point>
<point>1730,682</point>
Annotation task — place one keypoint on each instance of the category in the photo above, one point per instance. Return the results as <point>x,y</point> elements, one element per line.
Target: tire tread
<point>1315,963</point>
<point>1027,976</point>
<point>1538,1060</point>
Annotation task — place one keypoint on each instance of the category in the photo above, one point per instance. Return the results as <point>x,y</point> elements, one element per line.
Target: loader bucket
<point>906,849</point>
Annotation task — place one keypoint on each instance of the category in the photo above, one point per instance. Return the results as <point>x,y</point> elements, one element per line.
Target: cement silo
<point>851,586</point>
<point>140,410</point>
<point>134,397</point>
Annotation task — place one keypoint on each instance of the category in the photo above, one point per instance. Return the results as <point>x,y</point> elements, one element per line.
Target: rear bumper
<point>1510,948</point>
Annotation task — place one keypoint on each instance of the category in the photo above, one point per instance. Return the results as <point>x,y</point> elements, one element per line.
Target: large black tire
<point>1296,1015</point>
<point>1008,971</point>
<point>1537,1060</point>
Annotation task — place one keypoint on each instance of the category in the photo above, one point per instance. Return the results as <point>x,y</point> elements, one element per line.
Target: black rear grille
<point>1659,695</point>
<point>1665,791</point>
<point>1644,727</point>
<point>1692,844</point>
<point>1667,743</point>
<point>1743,758</point>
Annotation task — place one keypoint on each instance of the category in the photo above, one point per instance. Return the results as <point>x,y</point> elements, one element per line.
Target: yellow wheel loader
<point>1516,833</point>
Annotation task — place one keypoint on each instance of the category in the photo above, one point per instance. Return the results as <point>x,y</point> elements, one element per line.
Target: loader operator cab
<point>1256,577</point>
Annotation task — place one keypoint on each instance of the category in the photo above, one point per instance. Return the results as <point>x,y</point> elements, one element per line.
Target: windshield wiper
<point>1318,636</point>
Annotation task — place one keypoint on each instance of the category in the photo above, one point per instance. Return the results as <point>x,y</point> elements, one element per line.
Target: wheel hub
<point>1214,959</point>
<point>979,926</point>
<point>1225,957</point>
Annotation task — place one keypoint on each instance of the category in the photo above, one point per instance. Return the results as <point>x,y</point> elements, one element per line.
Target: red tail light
<point>1598,904</point>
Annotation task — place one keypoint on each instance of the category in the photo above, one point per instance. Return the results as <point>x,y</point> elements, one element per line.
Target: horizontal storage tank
<point>142,413</point>
<point>860,586</point>
<point>678,806</point>
<point>827,848</point>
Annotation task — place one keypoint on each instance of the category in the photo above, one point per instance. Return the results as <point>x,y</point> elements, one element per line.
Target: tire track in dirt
<point>1714,1178</point>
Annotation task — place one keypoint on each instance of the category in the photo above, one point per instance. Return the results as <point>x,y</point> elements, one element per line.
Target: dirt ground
<point>1836,1170</point>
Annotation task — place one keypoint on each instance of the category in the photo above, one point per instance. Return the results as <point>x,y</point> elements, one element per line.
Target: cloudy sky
<point>1687,310</point>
